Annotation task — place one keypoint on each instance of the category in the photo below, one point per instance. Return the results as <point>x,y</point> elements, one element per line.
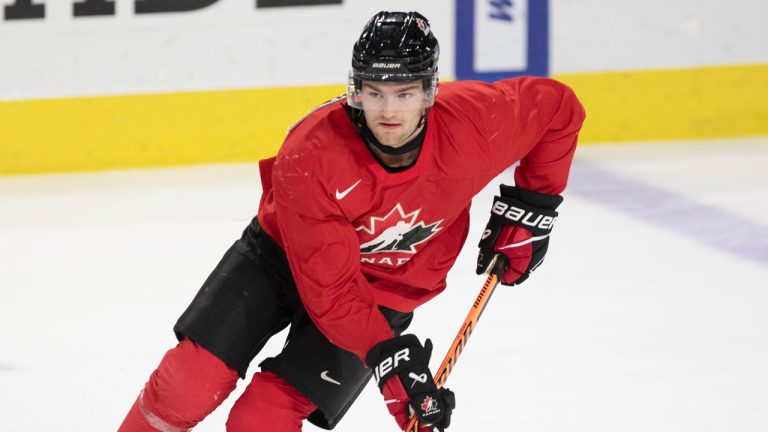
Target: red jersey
<point>358,236</point>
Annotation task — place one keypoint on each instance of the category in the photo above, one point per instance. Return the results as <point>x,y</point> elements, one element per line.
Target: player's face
<point>393,110</point>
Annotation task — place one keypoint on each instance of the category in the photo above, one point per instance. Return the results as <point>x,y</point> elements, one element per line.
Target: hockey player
<point>364,211</point>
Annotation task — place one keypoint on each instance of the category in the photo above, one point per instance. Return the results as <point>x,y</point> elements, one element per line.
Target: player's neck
<point>396,161</point>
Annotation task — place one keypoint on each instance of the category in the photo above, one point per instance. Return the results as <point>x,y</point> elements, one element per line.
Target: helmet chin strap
<point>370,138</point>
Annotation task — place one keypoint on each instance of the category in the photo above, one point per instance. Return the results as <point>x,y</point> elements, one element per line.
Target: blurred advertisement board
<point>497,39</point>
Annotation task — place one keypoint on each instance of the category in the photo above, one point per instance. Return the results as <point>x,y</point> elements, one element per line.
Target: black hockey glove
<point>401,368</point>
<point>518,232</point>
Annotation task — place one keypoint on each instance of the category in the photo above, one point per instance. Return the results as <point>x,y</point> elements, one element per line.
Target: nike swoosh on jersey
<point>341,195</point>
<point>325,377</point>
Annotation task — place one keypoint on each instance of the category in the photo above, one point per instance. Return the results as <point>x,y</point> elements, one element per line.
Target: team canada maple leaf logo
<point>429,405</point>
<point>398,231</point>
<point>422,25</point>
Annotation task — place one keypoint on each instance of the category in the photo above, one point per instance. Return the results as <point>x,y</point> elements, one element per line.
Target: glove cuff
<point>389,357</point>
<point>532,198</point>
<point>513,211</point>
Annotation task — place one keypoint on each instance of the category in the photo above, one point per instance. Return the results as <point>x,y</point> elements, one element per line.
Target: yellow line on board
<point>95,133</point>
<point>706,102</point>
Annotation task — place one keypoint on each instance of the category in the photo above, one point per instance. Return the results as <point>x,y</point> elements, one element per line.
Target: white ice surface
<point>630,326</point>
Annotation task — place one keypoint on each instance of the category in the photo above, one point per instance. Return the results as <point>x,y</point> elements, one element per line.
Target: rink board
<point>95,133</point>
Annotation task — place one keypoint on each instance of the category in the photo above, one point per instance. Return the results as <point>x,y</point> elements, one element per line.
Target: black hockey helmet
<point>394,46</point>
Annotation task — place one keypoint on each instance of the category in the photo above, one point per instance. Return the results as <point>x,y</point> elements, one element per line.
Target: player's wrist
<point>530,197</point>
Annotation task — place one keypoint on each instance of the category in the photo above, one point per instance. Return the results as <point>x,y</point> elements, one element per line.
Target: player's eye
<point>405,96</point>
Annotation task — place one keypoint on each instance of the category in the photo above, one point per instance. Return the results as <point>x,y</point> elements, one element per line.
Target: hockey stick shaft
<point>470,322</point>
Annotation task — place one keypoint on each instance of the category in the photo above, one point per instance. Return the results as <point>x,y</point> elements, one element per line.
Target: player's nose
<point>389,107</point>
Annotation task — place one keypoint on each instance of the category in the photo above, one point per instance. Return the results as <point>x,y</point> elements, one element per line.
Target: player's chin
<point>390,131</point>
<point>390,138</point>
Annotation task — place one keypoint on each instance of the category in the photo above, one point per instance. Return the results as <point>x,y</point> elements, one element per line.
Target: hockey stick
<point>470,322</point>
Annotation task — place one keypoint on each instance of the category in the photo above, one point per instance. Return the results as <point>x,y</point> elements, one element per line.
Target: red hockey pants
<point>190,383</point>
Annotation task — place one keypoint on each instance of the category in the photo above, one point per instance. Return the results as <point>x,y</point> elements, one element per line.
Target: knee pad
<point>187,386</point>
<point>269,404</point>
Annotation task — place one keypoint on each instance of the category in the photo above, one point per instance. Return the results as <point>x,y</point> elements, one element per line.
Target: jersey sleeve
<point>533,120</point>
<point>558,116</point>
<point>324,255</point>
